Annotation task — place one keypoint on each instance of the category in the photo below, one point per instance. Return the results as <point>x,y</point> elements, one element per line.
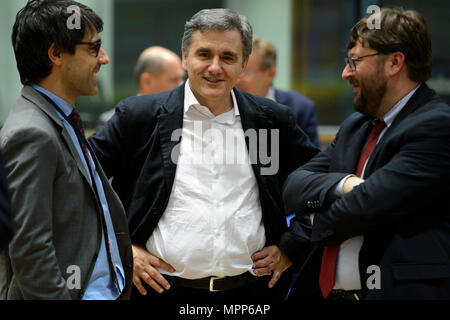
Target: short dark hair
<point>41,23</point>
<point>400,30</point>
<point>219,19</point>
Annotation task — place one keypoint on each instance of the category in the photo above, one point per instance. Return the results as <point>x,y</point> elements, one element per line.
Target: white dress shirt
<point>347,264</point>
<point>213,221</point>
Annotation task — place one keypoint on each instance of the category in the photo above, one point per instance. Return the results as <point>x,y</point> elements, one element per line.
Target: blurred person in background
<point>158,69</point>
<point>258,79</point>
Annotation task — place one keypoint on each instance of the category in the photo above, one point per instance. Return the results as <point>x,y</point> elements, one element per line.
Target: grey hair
<point>219,19</point>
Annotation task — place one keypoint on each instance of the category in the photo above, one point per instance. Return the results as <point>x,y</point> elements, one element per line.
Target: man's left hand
<point>270,259</point>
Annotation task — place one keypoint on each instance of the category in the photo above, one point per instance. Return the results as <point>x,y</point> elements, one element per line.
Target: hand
<point>270,259</point>
<point>351,182</point>
<point>144,268</point>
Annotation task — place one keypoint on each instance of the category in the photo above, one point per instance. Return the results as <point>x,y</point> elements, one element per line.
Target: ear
<point>55,55</point>
<point>183,60</point>
<point>395,63</point>
<point>272,72</point>
<point>244,66</point>
<point>245,63</point>
<point>145,80</point>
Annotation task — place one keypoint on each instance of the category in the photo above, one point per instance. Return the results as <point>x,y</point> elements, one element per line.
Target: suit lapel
<point>423,92</point>
<point>32,95</point>
<point>255,117</point>
<point>354,150</point>
<point>170,124</point>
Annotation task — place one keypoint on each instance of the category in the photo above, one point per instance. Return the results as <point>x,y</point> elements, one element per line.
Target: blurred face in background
<point>254,80</point>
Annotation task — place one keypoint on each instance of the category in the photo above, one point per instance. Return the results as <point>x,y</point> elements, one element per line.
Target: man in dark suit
<point>258,79</point>
<point>380,190</point>
<point>5,209</point>
<point>71,239</point>
<point>191,166</point>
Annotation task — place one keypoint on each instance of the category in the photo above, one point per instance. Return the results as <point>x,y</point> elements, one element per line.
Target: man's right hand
<point>351,182</point>
<point>144,268</point>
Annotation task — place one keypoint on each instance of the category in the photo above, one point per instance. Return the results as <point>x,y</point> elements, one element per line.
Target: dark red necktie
<point>330,253</point>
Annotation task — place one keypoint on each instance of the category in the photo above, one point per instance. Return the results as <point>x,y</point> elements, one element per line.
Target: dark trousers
<point>257,290</point>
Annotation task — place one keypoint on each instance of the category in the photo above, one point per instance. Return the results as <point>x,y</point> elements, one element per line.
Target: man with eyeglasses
<point>378,195</point>
<point>71,237</point>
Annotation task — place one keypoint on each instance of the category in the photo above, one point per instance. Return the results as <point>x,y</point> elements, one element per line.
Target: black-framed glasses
<point>96,45</point>
<point>351,60</point>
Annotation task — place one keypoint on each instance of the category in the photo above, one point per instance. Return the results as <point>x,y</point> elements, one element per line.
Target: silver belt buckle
<point>211,284</point>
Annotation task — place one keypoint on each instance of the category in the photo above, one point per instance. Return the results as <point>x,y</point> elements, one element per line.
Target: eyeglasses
<point>96,45</point>
<point>351,61</point>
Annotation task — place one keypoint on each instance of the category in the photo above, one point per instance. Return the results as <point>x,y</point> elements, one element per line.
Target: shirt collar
<point>271,94</point>
<point>390,116</point>
<point>191,101</point>
<point>62,104</point>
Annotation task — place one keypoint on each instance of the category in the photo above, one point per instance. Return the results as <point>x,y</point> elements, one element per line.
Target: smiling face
<point>369,80</point>
<point>214,63</point>
<point>80,75</point>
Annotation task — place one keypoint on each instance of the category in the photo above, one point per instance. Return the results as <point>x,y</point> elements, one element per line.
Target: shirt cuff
<point>339,188</point>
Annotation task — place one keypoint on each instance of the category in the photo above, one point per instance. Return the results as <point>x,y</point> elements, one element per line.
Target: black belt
<point>214,284</point>
<point>346,295</point>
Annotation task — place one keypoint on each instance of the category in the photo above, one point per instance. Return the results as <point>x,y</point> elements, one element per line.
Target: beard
<point>371,93</point>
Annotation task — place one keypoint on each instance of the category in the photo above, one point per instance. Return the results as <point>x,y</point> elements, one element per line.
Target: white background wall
<point>270,20</point>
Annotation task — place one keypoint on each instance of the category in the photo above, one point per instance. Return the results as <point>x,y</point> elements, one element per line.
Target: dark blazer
<point>304,111</point>
<point>135,148</point>
<point>402,208</point>
<point>5,209</point>
<point>55,209</point>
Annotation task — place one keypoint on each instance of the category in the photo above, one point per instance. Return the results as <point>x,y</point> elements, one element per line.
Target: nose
<point>215,67</point>
<point>103,57</point>
<point>347,73</point>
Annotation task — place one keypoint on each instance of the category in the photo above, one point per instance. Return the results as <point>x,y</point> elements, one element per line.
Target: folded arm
<point>412,180</point>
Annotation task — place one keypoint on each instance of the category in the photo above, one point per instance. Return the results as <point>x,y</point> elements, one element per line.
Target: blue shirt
<point>101,285</point>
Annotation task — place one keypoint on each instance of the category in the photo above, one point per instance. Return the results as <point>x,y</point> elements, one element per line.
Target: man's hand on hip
<point>270,259</point>
<point>144,268</point>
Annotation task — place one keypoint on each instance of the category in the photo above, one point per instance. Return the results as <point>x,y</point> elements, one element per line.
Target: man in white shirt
<point>200,169</point>
<point>380,190</point>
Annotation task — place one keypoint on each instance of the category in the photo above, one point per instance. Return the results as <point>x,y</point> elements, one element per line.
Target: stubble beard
<point>372,91</point>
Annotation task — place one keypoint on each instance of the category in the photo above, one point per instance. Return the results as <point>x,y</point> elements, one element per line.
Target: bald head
<point>158,69</point>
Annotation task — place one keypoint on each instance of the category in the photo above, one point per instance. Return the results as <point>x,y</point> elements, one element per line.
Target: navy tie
<point>75,121</point>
